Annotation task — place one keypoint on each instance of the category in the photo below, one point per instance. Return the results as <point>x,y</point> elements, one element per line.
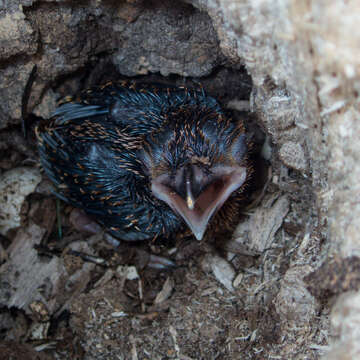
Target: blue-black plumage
<point>144,160</point>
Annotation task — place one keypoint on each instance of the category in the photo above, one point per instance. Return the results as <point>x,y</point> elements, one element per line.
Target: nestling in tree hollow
<point>144,160</point>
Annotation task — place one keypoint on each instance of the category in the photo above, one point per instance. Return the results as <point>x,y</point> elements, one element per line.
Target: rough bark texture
<point>303,59</point>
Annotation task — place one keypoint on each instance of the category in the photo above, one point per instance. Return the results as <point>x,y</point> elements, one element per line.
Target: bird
<point>147,160</point>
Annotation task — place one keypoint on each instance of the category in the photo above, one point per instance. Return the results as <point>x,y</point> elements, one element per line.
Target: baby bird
<point>144,160</point>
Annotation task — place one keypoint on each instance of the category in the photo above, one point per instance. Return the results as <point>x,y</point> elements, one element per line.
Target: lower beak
<point>198,212</point>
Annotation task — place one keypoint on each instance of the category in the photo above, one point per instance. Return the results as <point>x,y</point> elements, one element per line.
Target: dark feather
<point>103,148</point>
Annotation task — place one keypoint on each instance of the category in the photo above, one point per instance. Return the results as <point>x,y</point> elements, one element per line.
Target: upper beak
<point>197,212</point>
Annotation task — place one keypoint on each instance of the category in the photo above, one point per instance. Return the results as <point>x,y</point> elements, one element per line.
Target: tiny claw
<point>83,223</point>
<point>89,258</point>
<point>160,263</point>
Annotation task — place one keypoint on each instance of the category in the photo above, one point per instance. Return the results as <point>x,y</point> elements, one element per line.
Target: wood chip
<point>259,231</point>
<point>15,185</point>
<point>128,272</point>
<point>238,280</point>
<point>223,271</point>
<point>165,291</point>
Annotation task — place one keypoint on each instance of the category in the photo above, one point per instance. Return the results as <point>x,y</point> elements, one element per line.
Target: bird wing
<point>93,161</point>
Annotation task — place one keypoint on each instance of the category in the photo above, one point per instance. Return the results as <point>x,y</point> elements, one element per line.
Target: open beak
<point>198,211</point>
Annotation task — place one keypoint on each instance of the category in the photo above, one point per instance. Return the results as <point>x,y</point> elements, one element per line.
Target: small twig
<point>141,295</point>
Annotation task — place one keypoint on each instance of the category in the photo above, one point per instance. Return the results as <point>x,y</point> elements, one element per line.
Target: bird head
<point>195,162</point>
